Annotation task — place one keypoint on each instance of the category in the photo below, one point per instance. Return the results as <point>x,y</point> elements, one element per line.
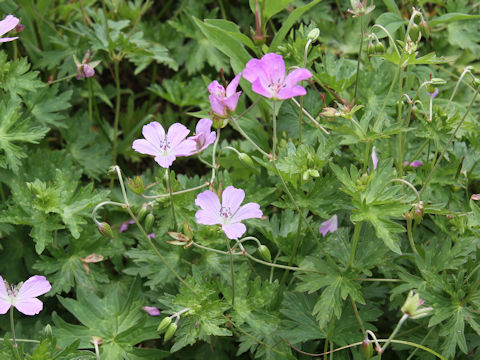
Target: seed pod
<point>105,229</point>
<point>170,331</point>
<point>166,321</point>
<point>379,48</point>
<point>149,222</point>
<point>136,185</point>
<point>415,32</point>
<point>367,349</point>
<point>141,213</point>
<point>264,253</point>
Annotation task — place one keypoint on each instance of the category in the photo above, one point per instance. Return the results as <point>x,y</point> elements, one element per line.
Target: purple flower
<point>413,164</point>
<point>7,24</point>
<point>23,296</point>
<point>434,94</point>
<point>331,225</point>
<point>151,310</point>
<point>151,236</point>
<point>268,78</point>
<point>374,158</point>
<point>124,226</point>
<point>229,213</point>
<point>224,100</point>
<point>165,147</point>
<point>203,136</point>
<point>85,69</point>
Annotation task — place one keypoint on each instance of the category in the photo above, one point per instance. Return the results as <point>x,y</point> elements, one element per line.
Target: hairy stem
<point>171,198</point>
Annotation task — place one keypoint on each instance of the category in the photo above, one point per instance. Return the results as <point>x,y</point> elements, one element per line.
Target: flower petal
<point>216,89</point>
<point>232,101</point>
<point>275,67</point>
<point>35,286</point>
<point>8,24</point>
<point>416,164</point>
<point>154,133</point>
<point>232,198</point>
<point>217,106</point>
<point>203,126</point>
<point>232,87</point>
<point>258,87</point>
<point>209,202</point>
<point>144,147</point>
<point>165,161</point>
<point>234,231</point>
<point>374,158</point>
<point>297,75</point>
<point>29,306</point>
<point>5,302</point>
<point>2,40</point>
<point>253,70</point>
<point>331,225</point>
<point>176,134</point>
<point>205,217</point>
<point>289,92</point>
<point>247,211</point>
<point>151,310</point>
<point>185,148</point>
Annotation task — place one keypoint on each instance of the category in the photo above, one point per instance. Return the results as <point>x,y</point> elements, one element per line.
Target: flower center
<point>276,86</point>
<point>164,144</point>
<point>225,212</point>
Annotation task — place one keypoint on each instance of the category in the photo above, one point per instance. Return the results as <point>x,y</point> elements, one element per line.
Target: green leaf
<point>272,7</point>
<point>287,24</point>
<point>451,17</point>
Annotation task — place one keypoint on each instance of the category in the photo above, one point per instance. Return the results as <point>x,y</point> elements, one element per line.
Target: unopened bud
<point>370,49</point>
<point>379,48</point>
<point>415,32</point>
<point>313,34</point>
<point>329,112</point>
<point>170,332</point>
<point>264,253</point>
<point>105,229</point>
<point>142,213</point>
<point>19,28</point>
<point>136,185</point>
<point>166,321</point>
<point>438,81</point>
<point>246,160</point>
<point>149,222</point>
<point>187,230</point>
<point>367,349</point>
<point>476,82</point>
<point>430,88</point>
<point>425,29</point>
<point>47,330</point>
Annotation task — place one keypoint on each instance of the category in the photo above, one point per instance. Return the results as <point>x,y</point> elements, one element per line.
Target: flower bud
<point>105,229</point>
<point>264,253</point>
<point>246,160</point>
<point>413,306</point>
<point>149,222</point>
<point>142,213</point>
<point>329,112</point>
<point>166,321</point>
<point>425,28</point>
<point>19,28</point>
<point>367,349</point>
<point>136,185</point>
<point>47,330</point>
<point>415,32</point>
<point>313,34</point>
<point>476,82</point>
<point>379,48</point>
<point>371,49</point>
<point>170,331</point>
<point>430,88</point>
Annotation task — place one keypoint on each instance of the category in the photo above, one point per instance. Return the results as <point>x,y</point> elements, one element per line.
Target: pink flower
<point>413,164</point>
<point>151,310</point>
<point>203,136</point>
<point>7,24</point>
<point>151,236</point>
<point>23,296</point>
<point>331,225</point>
<point>85,69</point>
<point>229,213</point>
<point>268,78</point>
<point>165,147</point>
<point>224,100</point>
<point>124,226</point>
<point>434,94</point>
<point>374,158</point>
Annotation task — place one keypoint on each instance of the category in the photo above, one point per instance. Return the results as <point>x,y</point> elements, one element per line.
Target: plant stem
<point>356,235</point>
<point>227,241</point>
<point>176,192</point>
<point>357,315</point>
<point>449,142</point>
<point>117,110</point>
<point>274,140</point>
<point>90,100</point>
<point>171,198</point>
<point>410,236</point>
<point>359,59</point>
<point>395,331</point>
<point>97,350</point>
<point>12,326</point>
<point>467,70</point>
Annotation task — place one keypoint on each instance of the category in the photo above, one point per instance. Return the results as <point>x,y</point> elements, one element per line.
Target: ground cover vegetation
<point>263,179</point>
